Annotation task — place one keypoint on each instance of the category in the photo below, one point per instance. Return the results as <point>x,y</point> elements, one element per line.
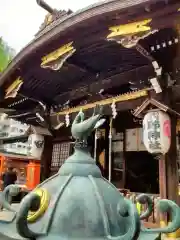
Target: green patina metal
<point>84,205</point>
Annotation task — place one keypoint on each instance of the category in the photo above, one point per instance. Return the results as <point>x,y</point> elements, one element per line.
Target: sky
<point>20,19</point>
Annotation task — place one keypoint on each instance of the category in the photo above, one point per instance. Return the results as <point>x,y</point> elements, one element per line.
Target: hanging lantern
<point>36,145</point>
<point>157,132</point>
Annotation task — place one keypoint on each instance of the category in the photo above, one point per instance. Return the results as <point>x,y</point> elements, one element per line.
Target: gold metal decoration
<point>55,59</point>
<point>173,235</point>
<point>48,19</point>
<point>108,101</point>
<point>13,89</point>
<point>129,34</point>
<point>130,28</point>
<point>44,203</point>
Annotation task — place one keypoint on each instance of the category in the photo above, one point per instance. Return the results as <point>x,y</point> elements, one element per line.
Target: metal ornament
<point>81,204</point>
<point>128,35</point>
<point>56,59</point>
<point>13,89</point>
<point>44,203</point>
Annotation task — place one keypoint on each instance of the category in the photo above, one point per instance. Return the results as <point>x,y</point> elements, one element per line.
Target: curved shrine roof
<point>95,59</point>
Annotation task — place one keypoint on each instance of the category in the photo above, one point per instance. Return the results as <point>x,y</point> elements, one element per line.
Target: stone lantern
<point>78,203</point>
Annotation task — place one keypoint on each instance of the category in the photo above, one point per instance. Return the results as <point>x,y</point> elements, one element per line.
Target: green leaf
<point>6,55</point>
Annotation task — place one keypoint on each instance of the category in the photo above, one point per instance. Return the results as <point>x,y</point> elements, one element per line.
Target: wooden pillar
<point>2,163</point>
<point>171,166</point>
<point>33,175</point>
<point>169,179</point>
<point>124,159</point>
<point>2,160</point>
<point>162,187</point>
<point>168,174</point>
<point>46,157</point>
<point>162,177</point>
<point>106,172</point>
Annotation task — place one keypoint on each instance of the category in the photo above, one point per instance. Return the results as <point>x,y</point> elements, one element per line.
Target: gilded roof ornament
<point>56,59</point>
<point>129,34</point>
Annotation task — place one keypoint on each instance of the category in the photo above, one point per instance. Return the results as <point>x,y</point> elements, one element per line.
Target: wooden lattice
<point>59,155</point>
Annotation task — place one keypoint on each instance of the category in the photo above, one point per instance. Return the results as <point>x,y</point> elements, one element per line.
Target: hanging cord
<point>110,150</point>
<point>95,145</point>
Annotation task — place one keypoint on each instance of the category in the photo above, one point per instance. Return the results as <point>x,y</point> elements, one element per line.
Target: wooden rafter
<point>93,86</point>
<point>81,67</point>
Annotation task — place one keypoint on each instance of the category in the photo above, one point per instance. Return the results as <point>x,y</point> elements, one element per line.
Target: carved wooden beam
<point>81,67</point>
<point>93,86</point>
<point>120,106</point>
<point>108,101</point>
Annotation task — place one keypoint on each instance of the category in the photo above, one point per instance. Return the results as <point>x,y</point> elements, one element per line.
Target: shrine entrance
<point>142,172</point>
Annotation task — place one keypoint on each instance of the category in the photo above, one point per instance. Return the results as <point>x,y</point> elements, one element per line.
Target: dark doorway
<point>142,173</point>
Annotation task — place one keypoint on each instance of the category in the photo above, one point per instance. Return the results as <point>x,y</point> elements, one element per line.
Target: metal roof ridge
<point>90,7</point>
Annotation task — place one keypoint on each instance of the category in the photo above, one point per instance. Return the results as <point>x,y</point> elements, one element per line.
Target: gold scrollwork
<point>44,203</point>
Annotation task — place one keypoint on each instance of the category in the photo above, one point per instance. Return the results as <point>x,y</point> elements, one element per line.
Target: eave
<point>54,30</point>
<point>87,40</point>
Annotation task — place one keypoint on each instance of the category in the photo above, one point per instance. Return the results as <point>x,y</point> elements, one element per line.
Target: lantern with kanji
<point>36,145</point>
<point>157,132</point>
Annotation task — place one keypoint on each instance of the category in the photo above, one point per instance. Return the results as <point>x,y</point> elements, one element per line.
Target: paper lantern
<point>157,132</point>
<point>36,145</point>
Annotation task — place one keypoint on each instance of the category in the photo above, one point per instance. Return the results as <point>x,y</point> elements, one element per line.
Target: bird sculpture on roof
<point>81,129</point>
